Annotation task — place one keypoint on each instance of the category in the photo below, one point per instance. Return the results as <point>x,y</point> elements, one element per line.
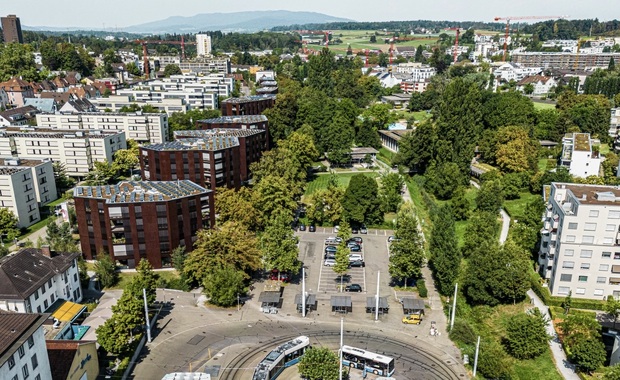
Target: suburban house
<point>542,84</point>
<point>510,71</point>
<point>43,105</point>
<point>17,91</point>
<point>18,116</point>
<point>71,359</point>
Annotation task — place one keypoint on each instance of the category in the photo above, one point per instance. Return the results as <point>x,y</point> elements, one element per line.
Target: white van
<point>355,257</point>
<point>333,241</point>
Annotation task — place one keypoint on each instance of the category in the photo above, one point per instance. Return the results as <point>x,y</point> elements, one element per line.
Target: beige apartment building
<point>142,127</point>
<point>580,246</point>
<point>77,150</point>
<point>114,103</point>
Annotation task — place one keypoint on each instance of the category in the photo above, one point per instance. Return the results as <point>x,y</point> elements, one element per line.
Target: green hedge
<point>422,291</point>
<point>549,300</point>
<point>558,312</point>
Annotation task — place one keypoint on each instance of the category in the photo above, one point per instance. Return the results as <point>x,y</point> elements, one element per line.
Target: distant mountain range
<point>227,22</point>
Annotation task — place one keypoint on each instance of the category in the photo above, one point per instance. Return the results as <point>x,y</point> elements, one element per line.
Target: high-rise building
<point>203,44</point>
<point>12,30</point>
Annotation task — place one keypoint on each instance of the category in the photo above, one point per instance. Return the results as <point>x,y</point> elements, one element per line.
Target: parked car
<point>329,262</point>
<point>355,257</point>
<point>336,229</point>
<point>331,249</point>
<point>357,264</point>
<point>312,228</point>
<point>352,244</point>
<point>355,248</point>
<point>333,240</point>
<point>283,276</point>
<point>343,278</point>
<point>355,230</point>
<point>353,288</point>
<point>363,229</point>
<point>392,238</point>
<point>330,256</point>
<point>357,239</point>
<point>302,227</point>
<point>413,319</point>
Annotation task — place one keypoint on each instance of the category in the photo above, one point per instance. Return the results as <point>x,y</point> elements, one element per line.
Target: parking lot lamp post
<point>377,298</point>
<point>303,292</point>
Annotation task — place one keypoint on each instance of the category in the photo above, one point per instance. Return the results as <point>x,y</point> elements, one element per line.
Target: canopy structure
<point>269,298</point>
<point>411,305</point>
<point>310,302</point>
<point>371,303</point>
<point>341,304</point>
<point>68,311</point>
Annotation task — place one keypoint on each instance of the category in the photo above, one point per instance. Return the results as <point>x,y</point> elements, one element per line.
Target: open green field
<point>360,40</point>
<point>320,182</point>
<point>516,207</point>
<point>544,106</point>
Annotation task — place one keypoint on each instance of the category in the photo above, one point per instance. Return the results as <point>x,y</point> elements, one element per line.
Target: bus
<point>367,361</point>
<point>283,356</point>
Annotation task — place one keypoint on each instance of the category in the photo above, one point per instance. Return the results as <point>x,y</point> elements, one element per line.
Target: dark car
<point>355,248</point>
<point>312,228</point>
<point>282,276</point>
<point>353,288</point>
<point>352,244</point>
<point>357,264</point>
<point>357,239</point>
<point>302,227</point>
<point>355,230</point>
<point>329,256</point>
<point>331,249</point>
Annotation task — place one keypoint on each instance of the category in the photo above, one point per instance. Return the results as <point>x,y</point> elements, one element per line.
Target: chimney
<point>46,251</point>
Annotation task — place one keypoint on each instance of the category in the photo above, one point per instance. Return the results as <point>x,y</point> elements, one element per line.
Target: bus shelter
<point>310,302</point>
<point>412,305</point>
<point>371,303</point>
<point>342,304</point>
<point>270,301</point>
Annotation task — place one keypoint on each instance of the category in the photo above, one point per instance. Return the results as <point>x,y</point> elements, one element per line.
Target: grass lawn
<point>320,182</point>
<point>126,277</point>
<point>516,207</point>
<point>604,149</point>
<point>416,197</point>
<point>360,40</point>
<point>545,164</point>
<point>541,368</point>
<point>544,106</point>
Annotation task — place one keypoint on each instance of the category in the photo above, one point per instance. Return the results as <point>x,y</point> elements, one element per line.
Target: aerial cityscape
<point>317,192</point>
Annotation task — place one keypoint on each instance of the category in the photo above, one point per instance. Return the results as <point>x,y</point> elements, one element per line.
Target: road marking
<point>318,290</point>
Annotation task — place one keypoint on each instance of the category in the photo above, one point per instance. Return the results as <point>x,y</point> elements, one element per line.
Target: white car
<point>392,238</point>
<point>329,262</point>
<point>336,229</point>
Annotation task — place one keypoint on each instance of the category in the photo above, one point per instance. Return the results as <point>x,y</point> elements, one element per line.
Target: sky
<point>116,14</point>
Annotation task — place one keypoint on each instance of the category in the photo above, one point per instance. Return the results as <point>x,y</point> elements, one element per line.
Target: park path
<point>566,369</point>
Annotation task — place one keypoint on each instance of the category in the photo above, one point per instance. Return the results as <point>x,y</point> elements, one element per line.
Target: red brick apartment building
<point>248,105</point>
<point>252,144</point>
<point>142,219</point>
<point>211,161</point>
<point>236,122</point>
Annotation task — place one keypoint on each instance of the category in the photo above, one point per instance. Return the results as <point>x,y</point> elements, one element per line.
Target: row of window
<point>601,267</point>
<point>564,290</point>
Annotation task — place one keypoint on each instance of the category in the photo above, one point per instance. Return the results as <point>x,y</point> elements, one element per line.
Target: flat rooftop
<point>211,142</point>
<point>396,134</point>
<point>51,133</point>
<point>248,99</point>
<point>235,119</point>
<point>141,191</point>
<point>11,171</point>
<point>581,142</point>
<point>21,162</point>
<point>593,194</point>
<point>205,133</point>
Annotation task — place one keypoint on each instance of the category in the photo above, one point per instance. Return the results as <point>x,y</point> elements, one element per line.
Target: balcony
<point>119,240</point>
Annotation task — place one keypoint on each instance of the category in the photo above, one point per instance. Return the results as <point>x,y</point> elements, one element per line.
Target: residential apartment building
<point>31,280</point>
<point>252,144</point>
<point>17,90</point>
<point>142,219</point>
<point>251,122</point>
<point>573,61</point>
<point>141,127</point>
<point>18,116</point>
<point>203,44</point>
<point>614,122</point>
<point>23,353</point>
<point>510,71</point>
<point>542,85</point>
<point>580,238</point>
<point>205,65</point>
<point>248,105</point>
<point>114,103</point>
<point>77,150</point>
<point>12,29</point>
<point>578,155</point>
<point>193,99</point>
<point>211,161</point>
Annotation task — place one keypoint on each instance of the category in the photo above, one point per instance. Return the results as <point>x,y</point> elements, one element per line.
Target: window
<point>36,294</point>
<point>593,213</point>
<point>613,215</point>
<point>603,267</point>
<point>25,371</point>
<point>569,252</point>
<point>585,265</point>
<point>21,351</point>
<point>570,238</point>
<point>608,241</point>
<point>568,264</point>
<point>581,291</point>
<point>606,255</point>
<point>587,239</point>
<point>35,362</point>
<point>590,227</point>
<point>30,341</point>
<point>565,277</point>
<point>11,362</point>
<point>563,290</point>
<point>610,227</point>
<point>601,280</point>
<point>45,304</point>
<point>583,279</point>
<point>585,253</point>
<point>572,226</point>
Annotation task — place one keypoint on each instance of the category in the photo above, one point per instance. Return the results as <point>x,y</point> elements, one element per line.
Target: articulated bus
<point>282,357</point>
<point>367,361</point>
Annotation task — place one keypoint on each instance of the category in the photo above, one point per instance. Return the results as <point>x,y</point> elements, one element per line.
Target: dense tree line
<point>569,29</point>
<point>403,26</point>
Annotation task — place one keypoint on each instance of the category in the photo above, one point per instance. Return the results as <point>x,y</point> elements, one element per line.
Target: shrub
<point>422,291</point>
<point>526,336</point>
<point>463,332</point>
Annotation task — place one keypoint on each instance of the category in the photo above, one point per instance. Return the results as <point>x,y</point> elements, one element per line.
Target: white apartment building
<point>142,127</point>
<point>580,247</point>
<point>76,149</point>
<point>114,103</point>
<point>23,353</point>
<point>42,173</point>
<point>415,71</point>
<point>614,122</point>
<point>578,156</point>
<point>205,66</point>
<point>17,194</point>
<point>33,279</point>
<point>203,44</point>
<point>513,71</point>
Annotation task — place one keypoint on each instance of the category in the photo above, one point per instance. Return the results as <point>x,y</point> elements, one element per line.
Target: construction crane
<point>392,48</point>
<point>145,58</point>
<point>508,18</point>
<point>455,49</point>
<point>327,33</point>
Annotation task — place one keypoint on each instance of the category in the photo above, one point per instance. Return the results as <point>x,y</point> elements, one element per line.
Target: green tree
<point>460,204</point>
<point>102,173</point>
<point>319,363</point>
<point>443,179</point>
<point>493,362</point>
<point>589,354</point>
<point>418,148</point>
<point>444,250</point>
<point>105,270</point>
<point>240,206</point>
<point>17,60</point>
<point>407,252</point>
<point>59,237</point>
<point>515,150</point>
<point>482,227</point>
<point>320,68</point>
<point>300,147</point>
<point>129,312</point>
<point>172,70</point>
<point>223,284</point>
<point>528,89</point>
<point>567,303</point>
<point>588,112</point>
<point>133,69</point>
<point>390,191</point>
<point>275,196</point>
<point>360,202</point>
<point>147,279</point>
<point>526,335</point>
<point>342,260</point>
<point>63,181</point>
<point>612,308</point>
<point>279,247</point>
<point>344,231</point>
<point>8,224</point>
<point>113,337</point>
<point>325,205</point>
<point>508,108</point>
<point>612,373</point>
<point>490,197</point>
<point>125,160</point>
<point>579,327</point>
<point>178,258</point>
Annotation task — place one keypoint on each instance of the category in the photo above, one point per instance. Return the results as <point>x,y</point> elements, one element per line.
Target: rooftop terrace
<point>140,191</point>
<point>206,142</point>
